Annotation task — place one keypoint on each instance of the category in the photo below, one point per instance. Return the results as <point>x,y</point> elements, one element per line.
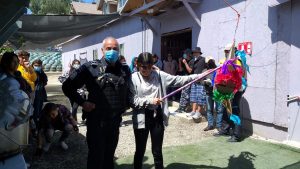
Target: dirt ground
<point>179,132</point>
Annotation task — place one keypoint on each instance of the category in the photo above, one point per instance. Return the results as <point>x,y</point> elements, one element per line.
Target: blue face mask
<point>37,68</point>
<point>184,56</point>
<point>112,56</point>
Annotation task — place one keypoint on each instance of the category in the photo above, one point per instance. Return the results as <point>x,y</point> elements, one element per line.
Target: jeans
<point>49,132</point>
<point>210,116</point>
<point>154,126</point>
<point>38,103</point>
<point>74,108</point>
<point>102,140</point>
<point>236,111</point>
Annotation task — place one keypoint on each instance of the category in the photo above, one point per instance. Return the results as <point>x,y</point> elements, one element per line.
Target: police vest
<point>114,89</point>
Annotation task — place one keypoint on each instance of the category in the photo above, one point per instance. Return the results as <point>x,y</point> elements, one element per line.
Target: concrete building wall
<point>127,31</point>
<point>275,36</point>
<point>294,71</point>
<point>264,107</point>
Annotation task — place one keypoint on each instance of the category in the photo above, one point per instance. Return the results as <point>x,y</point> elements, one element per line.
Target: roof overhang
<point>151,7</point>
<point>99,4</point>
<point>273,3</point>
<point>156,7</point>
<point>143,7</point>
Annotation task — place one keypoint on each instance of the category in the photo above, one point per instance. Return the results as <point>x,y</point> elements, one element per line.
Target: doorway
<point>175,43</point>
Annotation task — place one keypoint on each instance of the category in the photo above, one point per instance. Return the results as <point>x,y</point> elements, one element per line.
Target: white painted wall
<point>270,79</point>
<point>294,69</point>
<point>127,31</point>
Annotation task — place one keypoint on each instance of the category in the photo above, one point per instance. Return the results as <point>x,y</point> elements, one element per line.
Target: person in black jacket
<point>40,84</point>
<point>107,83</point>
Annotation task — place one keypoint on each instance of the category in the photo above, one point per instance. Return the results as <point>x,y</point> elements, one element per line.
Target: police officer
<point>107,83</point>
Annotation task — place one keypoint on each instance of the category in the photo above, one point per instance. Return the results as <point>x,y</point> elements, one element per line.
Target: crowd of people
<point>112,88</point>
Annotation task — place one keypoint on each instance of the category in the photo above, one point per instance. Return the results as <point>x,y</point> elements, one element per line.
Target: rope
<point>142,35</point>
<point>238,19</point>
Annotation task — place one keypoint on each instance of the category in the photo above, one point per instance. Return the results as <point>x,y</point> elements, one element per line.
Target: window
<point>121,49</point>
<point>95,54</point>
<point>121,3</point>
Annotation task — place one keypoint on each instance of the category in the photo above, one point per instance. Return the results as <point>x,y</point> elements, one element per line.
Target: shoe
<point>63,145</point>
<point>233,139</point>
<point>208,128</point>
<point>179,110</point>
<point>46,147</point>
<point>221,132</point>
<point>190,114</point>
<point>219,129</point>
<point>197,115</point>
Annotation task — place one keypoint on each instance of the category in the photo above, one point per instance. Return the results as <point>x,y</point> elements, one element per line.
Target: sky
<point>88,1</point>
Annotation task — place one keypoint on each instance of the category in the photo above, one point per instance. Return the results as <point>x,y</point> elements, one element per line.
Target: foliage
<point>4,49</point>
<point>43,7</point>
<point>35,6</point>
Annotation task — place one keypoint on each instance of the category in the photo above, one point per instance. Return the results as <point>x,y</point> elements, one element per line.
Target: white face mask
<point>76,66</point>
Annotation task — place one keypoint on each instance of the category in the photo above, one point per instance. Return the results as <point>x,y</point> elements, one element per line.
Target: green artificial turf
<point>216,153</point>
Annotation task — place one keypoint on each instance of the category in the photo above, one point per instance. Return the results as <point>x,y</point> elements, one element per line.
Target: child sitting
<point>55,117</point>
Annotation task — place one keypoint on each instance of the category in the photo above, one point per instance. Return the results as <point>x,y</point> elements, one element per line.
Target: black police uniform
<point>108,89</point>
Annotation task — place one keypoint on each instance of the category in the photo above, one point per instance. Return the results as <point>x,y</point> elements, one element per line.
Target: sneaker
<point>46,147</point>
<point>63,145</point>
<point>190,114</point>
<point>208,128</point>
<point>233,139</point>
<point>197,115</point>
<point>221,132</point>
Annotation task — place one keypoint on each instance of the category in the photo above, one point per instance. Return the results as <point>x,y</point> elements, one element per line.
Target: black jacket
<point>109,96</point>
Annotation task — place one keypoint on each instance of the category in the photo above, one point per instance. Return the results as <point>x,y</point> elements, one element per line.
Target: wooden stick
<point>202,75</point>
